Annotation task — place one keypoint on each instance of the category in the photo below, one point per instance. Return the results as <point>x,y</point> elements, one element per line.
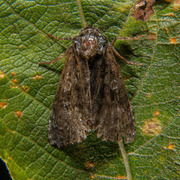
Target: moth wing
<point>112,110</point>
<point>70,114</point>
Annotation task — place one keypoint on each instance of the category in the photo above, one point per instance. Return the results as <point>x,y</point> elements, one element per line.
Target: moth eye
<point>101,42</point>
<point>114,85</point>
<point>77,44</point>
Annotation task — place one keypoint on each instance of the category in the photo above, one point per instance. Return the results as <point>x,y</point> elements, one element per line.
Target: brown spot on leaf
<point>92,176</point>
<point>167,31</point>
<point>173,41</point>
<point>9,157</point>
<point>176,5</point>
<point>13,73</point>
<point>156,113</point>
<point>18,114</point>
<point>152,127</point>
<point>171,146</point>
<point>37,77</point>
<point>15,80</point>
<point>89,165</point>
<point>121,177</point>
<point>3,104</point>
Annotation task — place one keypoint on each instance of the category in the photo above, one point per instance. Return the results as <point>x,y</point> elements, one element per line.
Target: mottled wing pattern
<point>71,110</point>
<point>111,107</point>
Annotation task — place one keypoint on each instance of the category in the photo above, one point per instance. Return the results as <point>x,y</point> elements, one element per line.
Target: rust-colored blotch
<point>176,5</point>
<point>173,41</point>
<point>9,157</point>
<point>171,146</point>
<point>18,114</point>
<point>121,177</point>
<point>156,113</point>
<point>167,31</point>
<point>15,80</point>
<point>152,127</point>
<point>3,104</point>
<point>92,176</point>
<point>13,73</point>
<point>37,77</point>
<point>89,165</point>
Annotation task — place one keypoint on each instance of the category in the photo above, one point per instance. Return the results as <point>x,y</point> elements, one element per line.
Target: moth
<point>91,94</point>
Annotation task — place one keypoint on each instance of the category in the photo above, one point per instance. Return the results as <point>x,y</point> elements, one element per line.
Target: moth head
<point>90,43</point>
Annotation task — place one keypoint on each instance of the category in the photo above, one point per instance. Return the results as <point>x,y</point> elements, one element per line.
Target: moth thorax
<point>90,46</point>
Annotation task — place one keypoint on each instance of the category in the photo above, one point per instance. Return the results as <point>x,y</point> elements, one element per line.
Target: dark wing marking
<point>71,112</point>
<point>111,107</point>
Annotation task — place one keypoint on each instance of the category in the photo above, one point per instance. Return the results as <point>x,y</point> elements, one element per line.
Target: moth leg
<point>128,38</point>
<point>125,60</point>
<point>49,62</point>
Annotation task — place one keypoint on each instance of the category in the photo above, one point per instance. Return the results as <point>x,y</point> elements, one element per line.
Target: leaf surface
<point>27,90</point>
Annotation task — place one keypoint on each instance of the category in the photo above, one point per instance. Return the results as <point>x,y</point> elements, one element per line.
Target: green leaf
<point>27,90</point>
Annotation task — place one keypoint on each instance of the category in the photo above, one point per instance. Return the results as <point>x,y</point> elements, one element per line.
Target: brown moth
<point>91,94</point>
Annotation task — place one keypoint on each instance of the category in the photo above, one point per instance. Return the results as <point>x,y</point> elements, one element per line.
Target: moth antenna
<point>128,38</point>
<point>125,60</point>
<point>50,62</point>
<point>58,38</point>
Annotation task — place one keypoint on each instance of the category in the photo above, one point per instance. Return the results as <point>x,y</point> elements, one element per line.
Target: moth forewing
<point>115,118</point>
<point>71,107</point>
<point>91,94</point>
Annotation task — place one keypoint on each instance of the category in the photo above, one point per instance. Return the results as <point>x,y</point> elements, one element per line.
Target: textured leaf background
<point>27,90</point>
